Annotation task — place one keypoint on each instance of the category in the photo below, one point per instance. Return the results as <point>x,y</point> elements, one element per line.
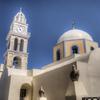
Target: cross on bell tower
<point>16,55</point>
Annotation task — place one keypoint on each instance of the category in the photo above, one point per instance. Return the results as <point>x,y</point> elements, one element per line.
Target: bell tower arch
<point>16,55</point>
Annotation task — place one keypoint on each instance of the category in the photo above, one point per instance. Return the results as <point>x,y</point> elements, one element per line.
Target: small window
<point>75,49</point>
<point>92,48</point>
<point>58,56</point>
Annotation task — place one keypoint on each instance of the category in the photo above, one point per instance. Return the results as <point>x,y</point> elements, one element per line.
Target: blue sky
<point>48,20</point>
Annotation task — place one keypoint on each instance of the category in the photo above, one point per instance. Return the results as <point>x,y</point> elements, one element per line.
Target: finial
<point>73,24</point>
<point>20,9</point>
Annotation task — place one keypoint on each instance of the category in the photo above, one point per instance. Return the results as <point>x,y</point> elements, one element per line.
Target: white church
<point>74,73</point>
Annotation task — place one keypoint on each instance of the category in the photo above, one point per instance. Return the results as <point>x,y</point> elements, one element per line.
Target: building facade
<point>73,75</point>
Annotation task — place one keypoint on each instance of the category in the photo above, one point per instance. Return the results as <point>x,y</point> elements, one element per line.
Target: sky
<point>48,20</point>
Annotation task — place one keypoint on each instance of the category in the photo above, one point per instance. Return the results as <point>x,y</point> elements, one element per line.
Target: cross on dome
<point>73,24</point>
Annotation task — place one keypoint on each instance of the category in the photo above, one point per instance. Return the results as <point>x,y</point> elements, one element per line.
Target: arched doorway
<point>75,49</point>
<point>26,92</point>
<point>17,62</point>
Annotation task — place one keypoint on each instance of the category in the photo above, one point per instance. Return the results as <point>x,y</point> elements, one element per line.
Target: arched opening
<point>92,48</point>
<point>21,45</point>
<point>58,56</point>
<point>17,62</point>
<point>26,92</point>
<point>75,49</point>
<point>15,44</point>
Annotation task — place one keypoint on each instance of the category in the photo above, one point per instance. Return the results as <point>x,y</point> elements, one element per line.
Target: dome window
<point>75,49</point>
<point>92,48</point>
<point>58,55</point>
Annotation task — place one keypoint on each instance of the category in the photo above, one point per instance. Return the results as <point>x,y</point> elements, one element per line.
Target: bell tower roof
<point>20,17</point>
<point>19,26</point>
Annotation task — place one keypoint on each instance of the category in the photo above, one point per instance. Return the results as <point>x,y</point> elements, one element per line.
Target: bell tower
<point>16,55</point>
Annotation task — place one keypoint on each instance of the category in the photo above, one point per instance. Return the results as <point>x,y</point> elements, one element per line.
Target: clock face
<point>20,29</point>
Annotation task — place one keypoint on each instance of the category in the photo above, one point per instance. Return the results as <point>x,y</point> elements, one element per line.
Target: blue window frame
<point>75,49</point>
